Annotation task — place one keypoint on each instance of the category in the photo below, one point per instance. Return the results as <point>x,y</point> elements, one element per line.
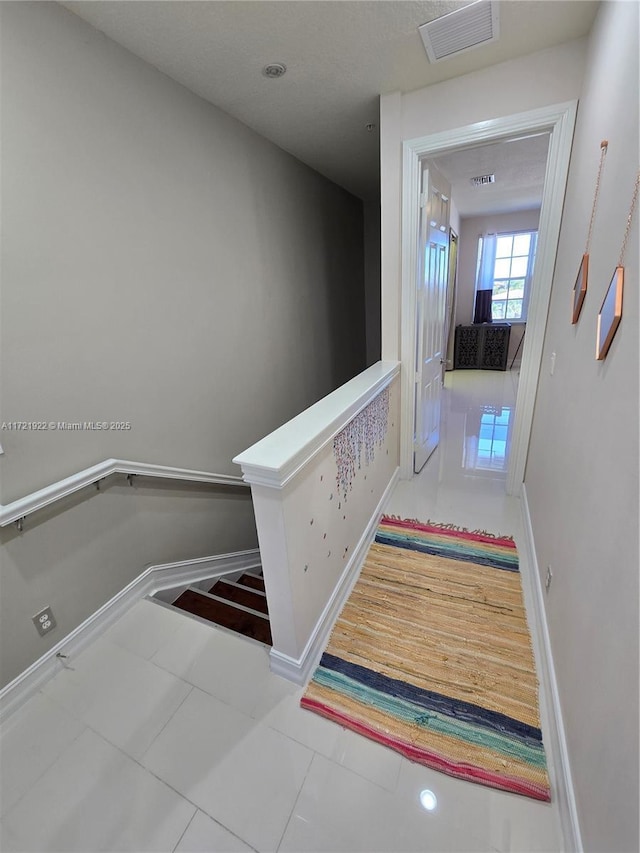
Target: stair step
<point>240,595</point>
<point>227,615</point>
<point>253,581</point>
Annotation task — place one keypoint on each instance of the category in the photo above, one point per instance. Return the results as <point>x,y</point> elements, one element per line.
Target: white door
<point>433,247</point>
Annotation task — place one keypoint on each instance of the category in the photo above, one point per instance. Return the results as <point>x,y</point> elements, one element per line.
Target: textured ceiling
<point>340,55</point>
<point>519,167</point>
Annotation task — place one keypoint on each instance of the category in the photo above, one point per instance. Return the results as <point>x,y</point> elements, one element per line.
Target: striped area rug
<point>431,655</point>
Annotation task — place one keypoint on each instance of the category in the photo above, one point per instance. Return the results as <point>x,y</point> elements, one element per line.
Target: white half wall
<point>319,484</point>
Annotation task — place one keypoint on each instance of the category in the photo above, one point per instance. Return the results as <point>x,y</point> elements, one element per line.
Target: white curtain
<point>487,262</point>
<point>483,306</point>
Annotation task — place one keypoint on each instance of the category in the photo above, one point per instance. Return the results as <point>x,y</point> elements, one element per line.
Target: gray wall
<point>163,265</point>
<point>372,278</point>
<point>582,472</point>
<point>471,228</point>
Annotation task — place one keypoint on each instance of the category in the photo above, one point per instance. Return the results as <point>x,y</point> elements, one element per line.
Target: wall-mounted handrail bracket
<point>130,479</point>
<point>20,524</point>
<point>98,485</point>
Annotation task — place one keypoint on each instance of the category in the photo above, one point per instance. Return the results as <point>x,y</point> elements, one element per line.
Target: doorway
<point>559,121</point>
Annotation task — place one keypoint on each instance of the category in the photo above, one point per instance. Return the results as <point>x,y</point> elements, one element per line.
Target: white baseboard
<point>152,580</point>
<point>564,783</point>
<point>299,669</point>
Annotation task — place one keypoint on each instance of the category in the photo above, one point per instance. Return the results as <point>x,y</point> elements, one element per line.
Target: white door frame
<point>559,119</point>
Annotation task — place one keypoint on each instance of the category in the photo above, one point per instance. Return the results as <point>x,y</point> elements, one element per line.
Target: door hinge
<point>423,200</point>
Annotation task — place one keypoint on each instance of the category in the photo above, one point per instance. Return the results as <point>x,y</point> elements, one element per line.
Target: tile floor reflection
<point>168,734</point>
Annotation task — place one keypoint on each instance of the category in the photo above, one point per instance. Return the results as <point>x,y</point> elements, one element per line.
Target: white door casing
<point>431,294</point>
<point>559,120</point>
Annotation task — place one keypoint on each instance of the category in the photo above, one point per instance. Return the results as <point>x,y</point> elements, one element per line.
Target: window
<point>515,255</point>
<point>503,275</point>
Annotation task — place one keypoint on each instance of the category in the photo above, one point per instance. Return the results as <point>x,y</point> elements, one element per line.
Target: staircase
<point>239,605</point>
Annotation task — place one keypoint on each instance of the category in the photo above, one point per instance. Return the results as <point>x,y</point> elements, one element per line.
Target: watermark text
<point>64,426</point>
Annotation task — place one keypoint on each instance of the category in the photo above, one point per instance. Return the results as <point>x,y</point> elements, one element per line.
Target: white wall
<point>540,79</point>
<point>471,228</point>
<point>582,471</point>
<point>163,265</point>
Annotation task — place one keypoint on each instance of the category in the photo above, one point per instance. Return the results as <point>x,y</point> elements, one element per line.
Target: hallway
<point>463,483</point>
<point>150,740</point>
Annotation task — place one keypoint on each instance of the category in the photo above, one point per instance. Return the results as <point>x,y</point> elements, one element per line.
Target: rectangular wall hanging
<point>610,314</point>
<point>580,288</point>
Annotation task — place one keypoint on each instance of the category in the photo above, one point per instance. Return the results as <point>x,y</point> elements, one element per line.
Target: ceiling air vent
<point>482,180</point>
<point>462,30</point>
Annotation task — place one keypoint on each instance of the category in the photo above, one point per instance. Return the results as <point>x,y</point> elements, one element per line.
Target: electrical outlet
<point>44,621</point>
<point>548,579</point>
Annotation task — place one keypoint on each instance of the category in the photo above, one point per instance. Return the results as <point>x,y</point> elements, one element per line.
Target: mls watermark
<point>65,426</point>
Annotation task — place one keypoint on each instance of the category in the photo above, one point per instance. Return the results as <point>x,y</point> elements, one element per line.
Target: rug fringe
<point>441,526</point>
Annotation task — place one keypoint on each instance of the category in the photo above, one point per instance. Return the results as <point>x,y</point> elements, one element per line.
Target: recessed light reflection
<point>428,800</point>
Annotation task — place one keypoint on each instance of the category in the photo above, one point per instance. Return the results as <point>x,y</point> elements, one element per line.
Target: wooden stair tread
<point>225,614</point>
<point>252,581</point>
<point>247,597</point>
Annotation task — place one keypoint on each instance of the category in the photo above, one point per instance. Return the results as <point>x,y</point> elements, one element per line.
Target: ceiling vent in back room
<point>472,26</point>
<point>483,180</point>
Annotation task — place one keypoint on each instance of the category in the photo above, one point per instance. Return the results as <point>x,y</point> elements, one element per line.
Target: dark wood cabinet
<point>482,346</point>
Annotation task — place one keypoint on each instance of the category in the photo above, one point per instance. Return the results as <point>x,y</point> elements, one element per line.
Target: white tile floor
<point>169,735</point>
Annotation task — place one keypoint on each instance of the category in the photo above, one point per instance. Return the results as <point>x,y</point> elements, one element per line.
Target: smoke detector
<point>274,70</point>
<point>462,30</point>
